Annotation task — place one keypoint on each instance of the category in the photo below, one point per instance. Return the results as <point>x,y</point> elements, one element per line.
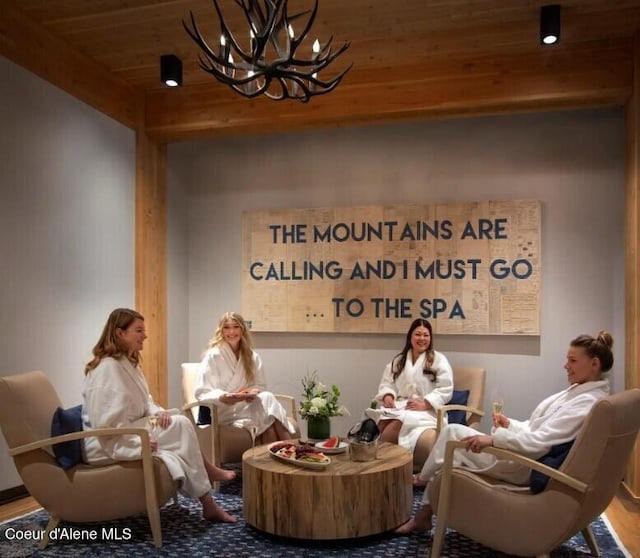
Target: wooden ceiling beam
<point>33,47</point>
<point>588,75</point>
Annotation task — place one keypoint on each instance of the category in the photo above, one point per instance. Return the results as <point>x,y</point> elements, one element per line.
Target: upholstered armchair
<point>222,443</point>
<point>518,522</point>
<point>465,379</point>
<point>81,493</point>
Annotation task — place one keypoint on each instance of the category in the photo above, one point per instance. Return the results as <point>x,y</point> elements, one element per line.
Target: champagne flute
<point>497,401</point>
<point>153,428</point>
<point>253,430</point>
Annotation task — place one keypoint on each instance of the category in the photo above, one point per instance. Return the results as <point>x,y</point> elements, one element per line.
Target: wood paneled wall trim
<point>632,259</point>
<point>151,259</point>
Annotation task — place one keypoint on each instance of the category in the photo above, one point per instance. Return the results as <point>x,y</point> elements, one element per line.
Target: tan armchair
<point>83,493</point>
<point>534,524</point>
<point>471,379</point>
<point>222,443</point>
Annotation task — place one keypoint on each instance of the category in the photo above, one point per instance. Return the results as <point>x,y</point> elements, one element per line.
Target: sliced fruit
<point>332,442</point>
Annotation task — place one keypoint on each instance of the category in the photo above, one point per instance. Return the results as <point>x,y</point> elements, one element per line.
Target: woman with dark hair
<point>116,395</point>
<point>417,382</point>
<point>232,377</point>
<point>557,420</point>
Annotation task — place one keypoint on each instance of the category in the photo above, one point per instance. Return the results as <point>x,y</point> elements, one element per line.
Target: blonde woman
<point>116,395</point>
<point>232,377</point>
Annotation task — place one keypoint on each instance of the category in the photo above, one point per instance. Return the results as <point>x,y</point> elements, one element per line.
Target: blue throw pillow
<point>204,415</point>
<point>65,421</point>
<point>556,456</point>
<point>459,398</point>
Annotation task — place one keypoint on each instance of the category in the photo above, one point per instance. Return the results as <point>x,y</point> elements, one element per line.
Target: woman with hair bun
<point>555,421</point>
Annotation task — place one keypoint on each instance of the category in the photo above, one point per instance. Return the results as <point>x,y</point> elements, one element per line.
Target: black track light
<point>550,24</point>
<point>171,70</point>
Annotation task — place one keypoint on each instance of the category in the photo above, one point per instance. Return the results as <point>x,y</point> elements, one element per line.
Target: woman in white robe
<point>414,385</point>
<point>232,377</point>
<point>116,395</point>
<point>557,420</point>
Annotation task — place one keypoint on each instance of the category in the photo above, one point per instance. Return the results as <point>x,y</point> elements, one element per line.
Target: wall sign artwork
<point>469,268</point>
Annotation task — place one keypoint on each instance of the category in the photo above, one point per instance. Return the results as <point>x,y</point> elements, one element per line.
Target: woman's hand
<point>164,419</point>
<point>389,401</point>
<point>153,444</point>
<point>419,405</point>
<point>233,398</point>
<point>500,420</point>
<point>250,394</point>
<point>229,398</point>
<point>478,442</point>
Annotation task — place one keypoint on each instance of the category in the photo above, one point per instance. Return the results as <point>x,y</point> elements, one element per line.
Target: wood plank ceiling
<point>411,59</point>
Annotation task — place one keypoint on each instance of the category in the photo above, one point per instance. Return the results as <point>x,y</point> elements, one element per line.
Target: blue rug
<point>185,534</point>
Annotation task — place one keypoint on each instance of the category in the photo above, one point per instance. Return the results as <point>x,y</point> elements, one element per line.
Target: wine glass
<point>253,430</point>
<point>497,401</point>
<point>153,428</point>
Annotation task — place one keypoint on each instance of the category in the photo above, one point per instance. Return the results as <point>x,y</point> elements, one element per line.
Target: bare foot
<point>418,482</point>
<point>218,474</point>
<point>420,522</point>
<point>213,512</point>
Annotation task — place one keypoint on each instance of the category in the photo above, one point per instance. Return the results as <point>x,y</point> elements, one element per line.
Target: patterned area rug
<point>186,534</point>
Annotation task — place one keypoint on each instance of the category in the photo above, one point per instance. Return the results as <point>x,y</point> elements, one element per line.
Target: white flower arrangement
<point>318,401</point>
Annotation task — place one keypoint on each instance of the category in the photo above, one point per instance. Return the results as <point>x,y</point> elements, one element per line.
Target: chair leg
<point>438,538</point>
<point>153,510</point>
<point>156,528</point>
<point>216,484</point>
<point>215,443</point>
<point>51,525</point>
<point>588,535</point>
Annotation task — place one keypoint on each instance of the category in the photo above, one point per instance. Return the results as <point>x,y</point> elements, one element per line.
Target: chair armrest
<point>545,469</point>
<point>204,403</point>
<point>45,442</point>
<point>193,404</point>
<point>518,458</point>
<point>442,410</point>
<point>215,425</point>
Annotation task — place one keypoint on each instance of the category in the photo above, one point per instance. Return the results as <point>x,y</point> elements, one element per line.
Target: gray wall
<point>66,232</point>
<point>572,161</point>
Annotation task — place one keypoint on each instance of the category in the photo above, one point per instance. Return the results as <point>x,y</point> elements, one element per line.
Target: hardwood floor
<point>18,508</point>
<point>623,514</point>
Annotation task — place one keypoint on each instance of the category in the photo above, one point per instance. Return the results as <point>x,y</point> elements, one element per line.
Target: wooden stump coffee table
<point>347,499</point>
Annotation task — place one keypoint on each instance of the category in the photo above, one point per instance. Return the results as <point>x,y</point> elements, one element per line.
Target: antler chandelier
<point>272,61</point>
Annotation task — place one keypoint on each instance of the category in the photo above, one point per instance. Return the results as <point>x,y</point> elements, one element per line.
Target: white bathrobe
<point>413,382</point>
<point>116,395</point>
<point>222,373</point>
<point>556,420</point>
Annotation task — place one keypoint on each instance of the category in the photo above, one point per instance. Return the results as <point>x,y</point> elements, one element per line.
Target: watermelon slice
<point>332,442</point>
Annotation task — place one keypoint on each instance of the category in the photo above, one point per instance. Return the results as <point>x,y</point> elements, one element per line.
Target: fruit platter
<point>332,445</point>
<point>302,455</point>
